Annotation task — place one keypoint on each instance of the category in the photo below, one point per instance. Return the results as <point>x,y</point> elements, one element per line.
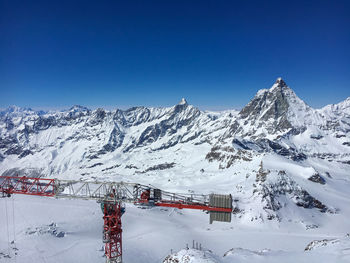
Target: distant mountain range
<point>276,146</point>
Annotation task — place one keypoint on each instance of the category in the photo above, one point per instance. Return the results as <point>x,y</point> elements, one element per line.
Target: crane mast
<point>112,196</point>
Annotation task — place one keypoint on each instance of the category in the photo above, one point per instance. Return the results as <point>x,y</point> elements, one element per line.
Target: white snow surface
<point>149,235</point>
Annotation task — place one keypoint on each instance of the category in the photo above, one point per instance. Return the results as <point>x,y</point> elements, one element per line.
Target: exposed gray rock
<point>130,166</point>
<point>51,229</point>
<point>60,234</point>
<point>162,166</point>
<point>227,156</point>
<point>266,145</point>
<point>317,178</point>
<point>270,105</point>
<point>94,165</point>
<point>320,243</point>
<point>283,186</point>
<point>316,136</point>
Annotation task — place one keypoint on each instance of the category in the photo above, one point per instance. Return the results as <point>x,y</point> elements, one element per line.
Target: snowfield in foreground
<point>149,236</point>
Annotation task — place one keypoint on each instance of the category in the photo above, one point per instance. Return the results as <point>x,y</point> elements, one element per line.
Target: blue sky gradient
<point>216,54</point>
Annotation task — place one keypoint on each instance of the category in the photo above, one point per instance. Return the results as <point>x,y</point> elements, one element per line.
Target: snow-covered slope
<point>154,235</point>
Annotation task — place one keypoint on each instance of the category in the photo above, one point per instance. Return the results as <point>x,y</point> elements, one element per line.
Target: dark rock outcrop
<point>317,178</point>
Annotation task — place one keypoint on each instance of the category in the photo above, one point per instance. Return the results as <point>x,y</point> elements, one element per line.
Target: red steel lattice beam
<point>193,206</point>
<point>27,185</point>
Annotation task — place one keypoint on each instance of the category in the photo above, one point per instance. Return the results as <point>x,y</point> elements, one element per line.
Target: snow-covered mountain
<point>326,250</point>
<point>280,158</point>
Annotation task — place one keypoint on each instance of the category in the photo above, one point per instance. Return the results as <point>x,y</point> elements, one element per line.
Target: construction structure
<point>112,196</point>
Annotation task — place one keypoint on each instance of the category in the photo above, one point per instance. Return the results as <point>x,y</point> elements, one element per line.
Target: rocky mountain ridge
<point>184,147</point>
<point>273,114</point>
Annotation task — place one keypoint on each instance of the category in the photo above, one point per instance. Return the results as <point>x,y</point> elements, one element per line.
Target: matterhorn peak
<point>183,102</point>
<point>280,83</point>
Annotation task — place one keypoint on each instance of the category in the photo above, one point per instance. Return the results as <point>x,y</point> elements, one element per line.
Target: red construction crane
<point>112,196</point>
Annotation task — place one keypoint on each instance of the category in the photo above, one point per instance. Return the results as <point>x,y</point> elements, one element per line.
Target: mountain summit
<point>183,102</point>
<point>280,83</point>
<point>278,110</point>
<point>270,107</point>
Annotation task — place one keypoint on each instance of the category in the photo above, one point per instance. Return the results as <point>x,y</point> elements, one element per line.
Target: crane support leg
<point>112,231</point>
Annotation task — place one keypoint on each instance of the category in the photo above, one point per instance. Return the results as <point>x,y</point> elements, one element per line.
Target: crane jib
<point>112,196</point>
<point>112,192</point>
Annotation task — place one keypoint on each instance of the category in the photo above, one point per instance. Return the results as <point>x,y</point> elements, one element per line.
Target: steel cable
<point>7,228</point>
<point>14,227</point>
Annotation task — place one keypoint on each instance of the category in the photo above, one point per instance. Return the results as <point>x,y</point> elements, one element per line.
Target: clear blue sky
<point>217,54</point>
